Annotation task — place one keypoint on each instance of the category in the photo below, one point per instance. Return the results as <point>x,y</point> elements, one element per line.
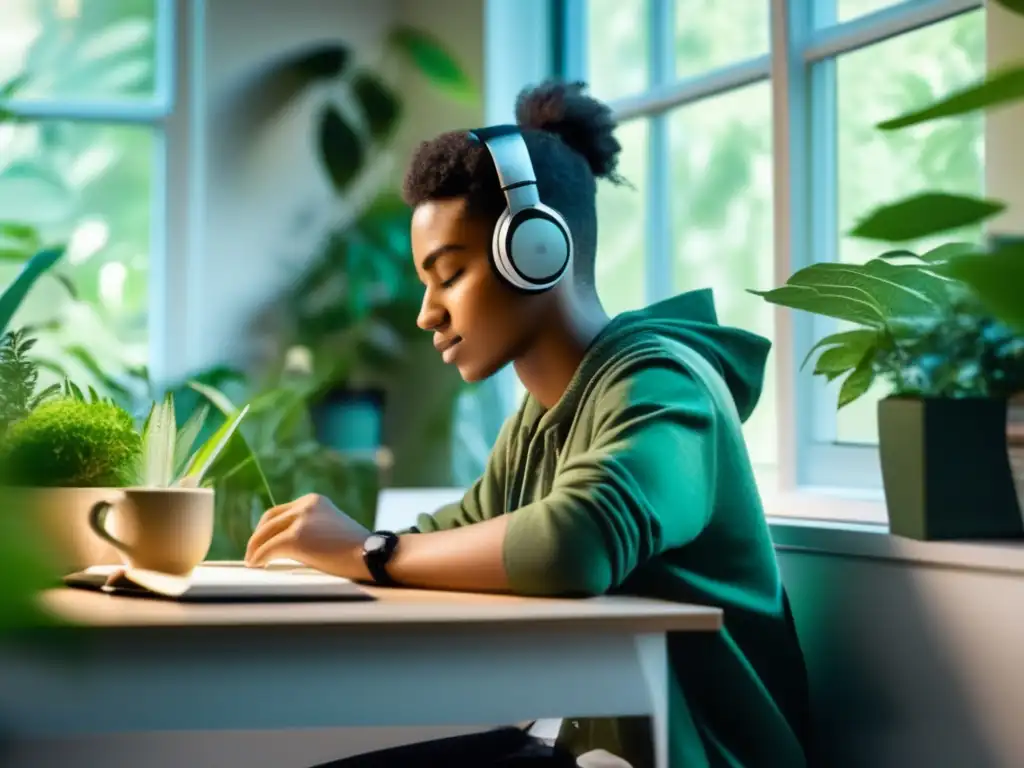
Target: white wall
<point>912,664</point>
<point>1004,127</point>
<point>265,201</point>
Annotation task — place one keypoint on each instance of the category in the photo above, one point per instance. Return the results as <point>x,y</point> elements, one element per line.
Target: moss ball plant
<point>68,443</point>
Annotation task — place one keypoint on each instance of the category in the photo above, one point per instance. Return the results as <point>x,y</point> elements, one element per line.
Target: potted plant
<point>67,452</point>
<point>950,367</point>
<point>62,451</point>
<point>276,456</point>
<point>25,567</point>
<point>944,329</point>
<point>354,306</point>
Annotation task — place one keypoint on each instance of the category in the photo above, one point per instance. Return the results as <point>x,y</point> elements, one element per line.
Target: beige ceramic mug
<point>169,530</point>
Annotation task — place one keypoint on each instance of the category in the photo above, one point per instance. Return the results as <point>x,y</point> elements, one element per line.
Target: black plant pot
<point>946,468</point>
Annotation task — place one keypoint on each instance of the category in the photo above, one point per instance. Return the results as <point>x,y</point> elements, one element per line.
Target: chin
<point>474,373</point>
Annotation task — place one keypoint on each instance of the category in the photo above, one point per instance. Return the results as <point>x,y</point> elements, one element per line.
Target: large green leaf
<point>341,151</point>
<point>21,233</point>
<point>947,251</point>
<point>997,278</point>
<point>862,338</point>
<point>158,440</point>
<point>16,292</point>
<point>858,382</point>
<point>927,213</point>
<point>379,103</point>
<point>430,57</point>
<point>894,288</point>
<point>851,304</point>
<point>187,436</point>
<point>999,87</point>
<point>202,459</point>
<point>245,454</point>
<point>323,63</point>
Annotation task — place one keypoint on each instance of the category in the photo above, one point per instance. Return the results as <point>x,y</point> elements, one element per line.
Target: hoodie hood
<point>689,318</point>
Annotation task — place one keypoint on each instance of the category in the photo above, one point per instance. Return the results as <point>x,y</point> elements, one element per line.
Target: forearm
<point>464,559</point>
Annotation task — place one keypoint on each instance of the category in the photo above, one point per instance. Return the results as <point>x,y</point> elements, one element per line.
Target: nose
<point>432,315</point>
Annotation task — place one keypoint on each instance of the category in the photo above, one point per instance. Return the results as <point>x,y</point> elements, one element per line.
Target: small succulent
<point>72,443</point>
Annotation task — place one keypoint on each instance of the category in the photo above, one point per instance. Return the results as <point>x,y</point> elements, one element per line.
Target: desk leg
<point>652,655</point>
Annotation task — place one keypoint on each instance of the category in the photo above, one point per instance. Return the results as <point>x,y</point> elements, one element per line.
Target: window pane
<point>617,47</point>
<point>877,168</point>
<point>722,214</point>
<point>90,186</point>
<point>621,224</point>
<point>713,33</point>
<point>73,49</point>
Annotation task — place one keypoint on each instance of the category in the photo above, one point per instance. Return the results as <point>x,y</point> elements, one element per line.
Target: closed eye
<point>451,280</point>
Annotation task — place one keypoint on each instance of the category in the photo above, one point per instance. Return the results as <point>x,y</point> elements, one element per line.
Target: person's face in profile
<point>479,323</point>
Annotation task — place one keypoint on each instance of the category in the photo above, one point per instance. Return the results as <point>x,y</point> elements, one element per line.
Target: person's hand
<point>314,532</point>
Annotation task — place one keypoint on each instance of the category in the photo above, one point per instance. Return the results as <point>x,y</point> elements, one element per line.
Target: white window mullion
<point>166,23</point>
<point>824,213</point>
<point>107,112</point>
<point>575,65</point>
<point>790,29</point>
<point>829,41</point>
<point>690,90</point>
<point>179,192</point>
<point>658,282</point>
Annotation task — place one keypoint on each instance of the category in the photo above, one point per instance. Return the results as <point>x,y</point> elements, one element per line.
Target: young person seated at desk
<point>624,470</point>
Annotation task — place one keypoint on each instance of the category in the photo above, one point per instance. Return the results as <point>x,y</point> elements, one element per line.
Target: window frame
<point>172,116</point>
<point>800,67</point>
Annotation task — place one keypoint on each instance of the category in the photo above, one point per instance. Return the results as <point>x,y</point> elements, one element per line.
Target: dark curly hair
<point>571,140</point>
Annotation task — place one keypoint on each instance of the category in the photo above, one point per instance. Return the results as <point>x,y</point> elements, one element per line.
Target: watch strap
<point>378,550</point>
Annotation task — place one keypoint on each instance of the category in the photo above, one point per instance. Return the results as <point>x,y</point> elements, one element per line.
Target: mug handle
<point>97,518</point>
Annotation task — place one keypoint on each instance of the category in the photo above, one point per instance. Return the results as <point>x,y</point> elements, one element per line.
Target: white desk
<point>408,659</point>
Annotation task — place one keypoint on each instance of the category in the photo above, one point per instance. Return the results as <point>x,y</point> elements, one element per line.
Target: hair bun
<point>583,123</point>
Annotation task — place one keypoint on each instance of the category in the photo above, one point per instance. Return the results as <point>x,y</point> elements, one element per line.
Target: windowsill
<point>859,540</point>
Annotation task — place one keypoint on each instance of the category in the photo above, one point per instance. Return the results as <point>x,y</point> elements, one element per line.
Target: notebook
<point>220,582</point>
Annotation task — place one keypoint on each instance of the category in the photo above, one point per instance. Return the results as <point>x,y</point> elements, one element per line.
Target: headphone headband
<point>512,160</point>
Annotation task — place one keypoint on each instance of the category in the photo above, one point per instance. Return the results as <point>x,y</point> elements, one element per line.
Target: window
<point>748,131</point>
<point>82,165</point>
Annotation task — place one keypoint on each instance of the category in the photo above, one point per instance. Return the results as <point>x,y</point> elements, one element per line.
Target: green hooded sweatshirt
<point>638,482</point>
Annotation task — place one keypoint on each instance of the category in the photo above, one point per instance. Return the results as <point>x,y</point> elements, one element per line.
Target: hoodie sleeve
<point>643,485</point>
<point>484,499</point>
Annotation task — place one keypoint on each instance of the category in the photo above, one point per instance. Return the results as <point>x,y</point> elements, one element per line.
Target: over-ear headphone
<point>531,248</point>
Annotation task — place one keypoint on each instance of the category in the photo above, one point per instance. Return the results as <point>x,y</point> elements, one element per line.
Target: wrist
<point>353,565</point>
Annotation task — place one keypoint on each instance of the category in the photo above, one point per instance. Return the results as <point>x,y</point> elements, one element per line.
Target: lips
<point>447,347</point>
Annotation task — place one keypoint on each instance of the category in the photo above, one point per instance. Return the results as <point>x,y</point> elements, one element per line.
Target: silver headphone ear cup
<point>499,252</point>
<point>538,245</point>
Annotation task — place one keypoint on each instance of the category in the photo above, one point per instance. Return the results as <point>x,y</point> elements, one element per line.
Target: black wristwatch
<point>377,551</point>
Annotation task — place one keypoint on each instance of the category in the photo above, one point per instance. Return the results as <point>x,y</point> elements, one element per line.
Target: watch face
<point>374,543</point>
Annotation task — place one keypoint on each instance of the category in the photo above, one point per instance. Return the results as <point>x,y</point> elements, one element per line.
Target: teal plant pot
<point>946,469</point>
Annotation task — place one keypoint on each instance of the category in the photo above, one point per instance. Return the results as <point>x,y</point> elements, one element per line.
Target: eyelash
<point>451,280</point>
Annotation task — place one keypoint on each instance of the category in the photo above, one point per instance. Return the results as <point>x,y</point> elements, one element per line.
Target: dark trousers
<point>501,748</point>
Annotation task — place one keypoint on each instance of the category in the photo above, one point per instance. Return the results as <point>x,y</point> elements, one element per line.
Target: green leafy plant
<point>19,379</point>
<point>945,323</point>
<point>170,455</point>
<point>72,443</point>
<point>995,274</point>
<point>355,304</point>
<point>275,456</point>
<point>33,269</point>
